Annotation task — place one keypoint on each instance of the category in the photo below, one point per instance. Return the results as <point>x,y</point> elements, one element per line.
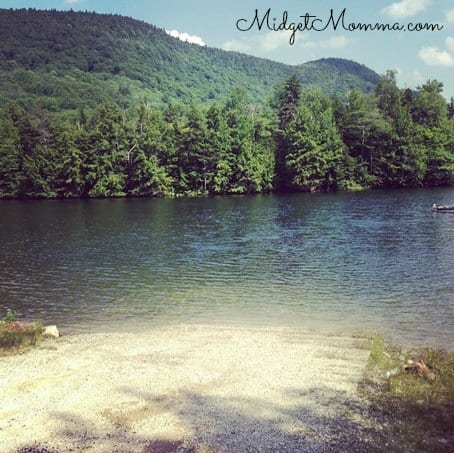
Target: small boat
<point>446,207</point>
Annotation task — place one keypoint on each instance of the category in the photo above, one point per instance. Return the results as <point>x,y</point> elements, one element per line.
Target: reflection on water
<point>368,259</point>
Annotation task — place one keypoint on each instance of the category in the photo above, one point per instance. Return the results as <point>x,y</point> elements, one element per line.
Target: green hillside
<point>105,106</point>
<point>62,61</point>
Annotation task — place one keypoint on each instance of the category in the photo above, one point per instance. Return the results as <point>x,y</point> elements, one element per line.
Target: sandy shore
<point>187,388</point>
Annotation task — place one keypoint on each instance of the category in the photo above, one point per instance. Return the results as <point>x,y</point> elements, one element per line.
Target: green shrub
<point>419,407</point>
<point>19,336</point>
<point>11,316</point>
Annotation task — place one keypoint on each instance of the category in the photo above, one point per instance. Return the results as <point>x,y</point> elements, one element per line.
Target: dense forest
<point>64,61</point>
<point>105,106</point>
<point>302,141</point>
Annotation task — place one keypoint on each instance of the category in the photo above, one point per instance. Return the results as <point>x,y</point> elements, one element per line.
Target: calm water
<point>368,259</point>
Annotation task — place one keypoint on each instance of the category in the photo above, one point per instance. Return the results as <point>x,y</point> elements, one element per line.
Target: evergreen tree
<point>10,154</point>
<point>69,178</point>
<point>366,135</point>
<point>402,164</point>
<point>217,142</point>
<point>287,106</point>
<point>435,132</point>
<point>105,159</point>
<point>39,159</point>
<point>315,151</point>
<point>196,161</point>
<point>391,138</point>
<point>147,176</point>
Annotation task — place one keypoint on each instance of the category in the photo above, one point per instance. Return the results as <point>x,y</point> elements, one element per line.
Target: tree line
<point>302,141</point>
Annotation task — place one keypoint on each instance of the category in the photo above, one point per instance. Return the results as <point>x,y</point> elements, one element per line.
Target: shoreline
<point>322,327</point>
<point>198,387</point>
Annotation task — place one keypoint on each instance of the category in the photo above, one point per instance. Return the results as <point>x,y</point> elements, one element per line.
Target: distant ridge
<point>63,61</point>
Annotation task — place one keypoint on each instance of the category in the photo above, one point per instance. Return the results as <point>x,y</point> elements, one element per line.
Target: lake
<point>373,259</point>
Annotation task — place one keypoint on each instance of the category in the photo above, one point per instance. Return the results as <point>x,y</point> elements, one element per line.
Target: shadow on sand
<point>317,420</point>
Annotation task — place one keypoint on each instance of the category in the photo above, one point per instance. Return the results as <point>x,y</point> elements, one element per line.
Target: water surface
<point>368,259</point>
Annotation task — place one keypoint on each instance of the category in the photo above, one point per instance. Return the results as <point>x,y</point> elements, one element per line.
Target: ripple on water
<point>369,259</point>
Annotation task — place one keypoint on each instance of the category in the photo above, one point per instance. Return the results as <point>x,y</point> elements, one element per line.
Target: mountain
<point>62,61</point>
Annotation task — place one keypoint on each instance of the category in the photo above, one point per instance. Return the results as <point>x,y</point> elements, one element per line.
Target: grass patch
<point>10,316</point>
<point>16,336</point>
<point>415,390</point>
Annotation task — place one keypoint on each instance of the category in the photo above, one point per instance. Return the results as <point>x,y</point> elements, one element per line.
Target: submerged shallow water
<point>368,259</point>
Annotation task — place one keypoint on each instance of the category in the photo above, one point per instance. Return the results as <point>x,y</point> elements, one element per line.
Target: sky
<point>416,55</point>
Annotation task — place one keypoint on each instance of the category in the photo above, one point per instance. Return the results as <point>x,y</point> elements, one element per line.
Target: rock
<point>51,331</point>
<point>393,372</point>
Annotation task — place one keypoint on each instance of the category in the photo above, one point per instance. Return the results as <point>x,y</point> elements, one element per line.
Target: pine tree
<point>315,151</point>
<point>287,103</point>
<point>10,152</point>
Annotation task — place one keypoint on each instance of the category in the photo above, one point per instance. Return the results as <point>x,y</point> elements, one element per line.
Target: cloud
<point>309,44</point>
<point>267,41</point>
<point>433,56</point>
<point>418,78</point>
<point>72,2</point>
<point>450,16</point>
<point>450,44</point>
<point>235,45</point>
<point>186,37</point>
<point>405,8</point>
<point>273,40</point>
<point>336,42</point>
